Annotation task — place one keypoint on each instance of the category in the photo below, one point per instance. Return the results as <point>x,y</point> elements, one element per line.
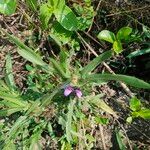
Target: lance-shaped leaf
<point>25,51</point>
<point>102,105</point>
<point>133,81</point>
<point>59,68</point>
<point>9,74</point>
<point>95,62</point>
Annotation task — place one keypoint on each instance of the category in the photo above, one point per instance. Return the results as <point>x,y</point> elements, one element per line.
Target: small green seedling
<point>137,110</point>
<point>122,35</point>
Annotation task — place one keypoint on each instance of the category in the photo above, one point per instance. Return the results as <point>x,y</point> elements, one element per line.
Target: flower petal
<point>78,93</point>
<point>68,90</point>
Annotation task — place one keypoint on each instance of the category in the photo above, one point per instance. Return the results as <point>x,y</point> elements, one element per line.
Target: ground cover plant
<point>57,88</point>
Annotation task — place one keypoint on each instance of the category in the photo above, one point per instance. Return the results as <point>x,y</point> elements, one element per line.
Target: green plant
<point>7,7</point>
<point>138,110</point>
<point>122,35</point>
<point>58,93</point>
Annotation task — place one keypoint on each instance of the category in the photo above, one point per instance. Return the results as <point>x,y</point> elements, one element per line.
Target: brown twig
<point>126,89</point>
<point>102,137</point>
<point>128,11</point>
<point>98,6</point>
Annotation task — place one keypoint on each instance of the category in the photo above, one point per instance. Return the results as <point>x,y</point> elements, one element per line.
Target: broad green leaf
<point>135,104</point>
<point>95,62</point>
<point>124,33</point>
<point>9,74</point>
<point>25,51</point>
<point>117,47</point>
<point>143,113</point>
<point>133,81</point>
<point>119,137</point>
<point>7,7</point>
<point>139,52</point>
<point>45,14</point>
<point>32,4</point>
<point>106,36</point>
<point>60,34</point>
<point>66,17</point>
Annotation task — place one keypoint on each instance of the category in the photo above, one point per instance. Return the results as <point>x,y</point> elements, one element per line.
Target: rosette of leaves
<point>138,110</point>
<point>122,35</point>
<point>31,120</point>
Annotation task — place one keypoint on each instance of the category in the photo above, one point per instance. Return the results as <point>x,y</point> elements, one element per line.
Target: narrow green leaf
<point>9,111</point>
<point>117,47</point>
<point>69,121</point>
<point>13,99</point>
<point>120,141</point>
<point>124,33</point>
<point>7,7</point>
<point>139,52</point>
<point>35,138</point>
<point>45,14</point>
<point>66,17</point>
<point>127,79</point>
<point>135,104</point>
<point>19,124</point>
<point>58,68</point>
<point>9,78</point>
<point>95,62</point>
<point>106,36</point>
<point>32,4</point>
<point>47,98</point>
<point>25,51</point>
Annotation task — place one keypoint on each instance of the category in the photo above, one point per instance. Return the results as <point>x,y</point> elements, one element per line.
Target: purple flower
<point>78,93</point>
<point>69,89</point>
